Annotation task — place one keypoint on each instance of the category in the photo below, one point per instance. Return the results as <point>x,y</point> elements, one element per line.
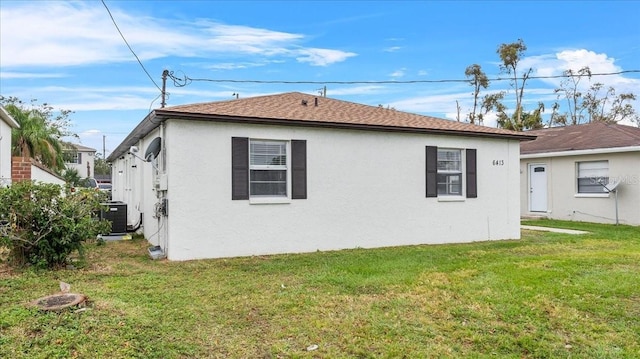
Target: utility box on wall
<point>116,212</point>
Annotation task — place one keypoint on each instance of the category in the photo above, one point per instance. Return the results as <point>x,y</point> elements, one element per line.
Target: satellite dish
<point>611,186</point>
<point>153,149</point>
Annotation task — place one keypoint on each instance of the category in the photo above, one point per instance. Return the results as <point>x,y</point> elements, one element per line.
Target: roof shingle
<point>305,108</point>
<point>299,109</point>
<point>581,137</point>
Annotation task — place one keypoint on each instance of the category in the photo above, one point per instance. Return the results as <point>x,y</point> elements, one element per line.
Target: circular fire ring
<point>59,301</point>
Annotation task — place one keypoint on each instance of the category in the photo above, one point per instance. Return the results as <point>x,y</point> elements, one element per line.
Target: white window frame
<point>73,157</point>
<point>270,198</point>
<point>450,194</point>
<point>597,173</point>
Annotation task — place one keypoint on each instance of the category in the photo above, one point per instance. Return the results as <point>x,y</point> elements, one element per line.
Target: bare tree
<point>609,107</point>
<point>569,89</point>
<point>479,80</point>
<point>510,55</point>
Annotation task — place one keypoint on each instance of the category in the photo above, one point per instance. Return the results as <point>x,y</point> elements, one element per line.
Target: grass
<point>546,295</point>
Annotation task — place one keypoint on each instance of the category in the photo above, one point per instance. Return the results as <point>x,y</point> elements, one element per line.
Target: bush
<point>40,225</point>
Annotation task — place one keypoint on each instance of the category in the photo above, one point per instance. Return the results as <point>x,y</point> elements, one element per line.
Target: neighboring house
<point>82,159</point>
<point>564,173</point>
<point>296,173</point>
<point>6,124</point>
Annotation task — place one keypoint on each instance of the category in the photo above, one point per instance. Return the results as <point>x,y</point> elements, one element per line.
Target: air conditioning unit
<point>116,212</point>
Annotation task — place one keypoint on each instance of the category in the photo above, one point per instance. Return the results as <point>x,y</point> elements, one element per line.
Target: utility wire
<point>129,46</point>
<point>185,80</point>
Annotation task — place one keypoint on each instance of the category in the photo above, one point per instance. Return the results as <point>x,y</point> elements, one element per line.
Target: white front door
<point>538,187</point>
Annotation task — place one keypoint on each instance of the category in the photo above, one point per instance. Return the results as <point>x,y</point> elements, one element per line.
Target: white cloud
<point>392,49</point>
<point>29,75</point>
<point>598,63</point>
<point>398,73</point>
<point>234,65</point>
<point>322,57</point>
<point>80,33</point>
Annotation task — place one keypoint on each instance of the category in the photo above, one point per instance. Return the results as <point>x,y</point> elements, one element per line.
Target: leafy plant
<point>42,226</point>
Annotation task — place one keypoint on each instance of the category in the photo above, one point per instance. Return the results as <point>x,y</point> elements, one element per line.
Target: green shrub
<point>40,225</point>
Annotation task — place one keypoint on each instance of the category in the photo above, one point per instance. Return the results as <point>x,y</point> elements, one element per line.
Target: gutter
<point>8,118</point>
<point>594,151</point>
<point>144,128</point>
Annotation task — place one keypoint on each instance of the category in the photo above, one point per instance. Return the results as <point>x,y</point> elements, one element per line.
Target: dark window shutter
<point>298,169</point>
<point>239,168</point>
<point>432,171</point>
<point>472,186</point>
<point>79,158</point>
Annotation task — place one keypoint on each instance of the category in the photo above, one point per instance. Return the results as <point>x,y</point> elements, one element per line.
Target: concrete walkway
<point>557,230</point>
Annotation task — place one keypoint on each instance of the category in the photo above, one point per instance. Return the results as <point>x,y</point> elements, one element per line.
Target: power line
<point>180,82</point>
<point>130,49</point>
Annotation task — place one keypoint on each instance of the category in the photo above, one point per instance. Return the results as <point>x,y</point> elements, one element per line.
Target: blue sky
<point>69,54</point>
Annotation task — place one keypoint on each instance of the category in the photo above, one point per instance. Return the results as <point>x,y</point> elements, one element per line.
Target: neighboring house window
<point>73,157</point>
<point>592,176</point>
<point>448,170</point>
<point>262,168</point>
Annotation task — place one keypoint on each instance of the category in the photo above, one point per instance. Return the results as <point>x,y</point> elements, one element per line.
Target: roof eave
<point>592,151</point>
<point>307,123</point>
<point>4,114</point>
<point>148,124</point>
<point>156,117</point>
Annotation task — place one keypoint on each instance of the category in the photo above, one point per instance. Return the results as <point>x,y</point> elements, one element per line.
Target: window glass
<point>267,168</point>
<point>593,176</point>
<point>449,176</point>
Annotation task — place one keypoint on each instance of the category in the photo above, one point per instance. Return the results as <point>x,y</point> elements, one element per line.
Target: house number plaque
<point>498,162</point>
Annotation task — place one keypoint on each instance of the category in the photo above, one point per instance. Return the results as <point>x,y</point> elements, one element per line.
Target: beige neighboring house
<point>294,172</point>
<point>568,173</point>
<point>6,124</point>
<point>82,159</point>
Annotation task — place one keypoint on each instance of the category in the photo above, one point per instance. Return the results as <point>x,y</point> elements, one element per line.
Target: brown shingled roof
<point>305,109</point>
<point>299,109</point>
<point>581,137</point>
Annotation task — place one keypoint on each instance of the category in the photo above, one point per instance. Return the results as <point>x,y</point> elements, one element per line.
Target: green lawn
<point>547,295</point>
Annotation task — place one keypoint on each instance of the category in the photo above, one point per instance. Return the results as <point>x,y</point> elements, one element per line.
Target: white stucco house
<point>82,159</point>
<point>6,124</point>
<point>569,173</point>
<point>293,172</point>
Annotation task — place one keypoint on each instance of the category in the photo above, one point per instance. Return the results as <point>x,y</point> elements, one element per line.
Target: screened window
<point>593,176</point>
<point>449,176</point>
<point>267,168</point>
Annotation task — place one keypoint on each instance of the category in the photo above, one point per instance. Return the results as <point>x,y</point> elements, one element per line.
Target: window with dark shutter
<point>472,187</point>
<point>432,171</point>
<point>239,168</point>
<point>298,169</point>
<point>444,172</point>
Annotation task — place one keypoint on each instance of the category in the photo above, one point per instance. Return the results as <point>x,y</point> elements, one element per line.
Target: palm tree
<point>36,138</point>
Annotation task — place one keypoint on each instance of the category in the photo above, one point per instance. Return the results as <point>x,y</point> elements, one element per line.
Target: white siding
<point>40,175</point>
<point>365,189</point>
<point>5,153</point>
<point>87,158</point>
<point>133,184</point>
